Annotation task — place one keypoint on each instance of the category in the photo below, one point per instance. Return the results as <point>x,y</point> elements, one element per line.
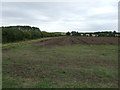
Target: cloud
<point>83,16</point>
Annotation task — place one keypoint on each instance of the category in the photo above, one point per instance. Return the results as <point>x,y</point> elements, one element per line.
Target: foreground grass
<point>76,66</point>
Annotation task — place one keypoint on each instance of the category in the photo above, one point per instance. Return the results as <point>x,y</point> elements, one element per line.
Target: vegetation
<point>20,33</point>
<point>98,34</point>
<point>68,33</point>
<point>80,66</point>
<point>61,62</point>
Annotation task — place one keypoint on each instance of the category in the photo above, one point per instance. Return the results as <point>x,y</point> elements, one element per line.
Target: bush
<point>19,33</point>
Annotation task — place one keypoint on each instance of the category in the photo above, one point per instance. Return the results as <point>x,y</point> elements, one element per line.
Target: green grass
<point>76,66</point>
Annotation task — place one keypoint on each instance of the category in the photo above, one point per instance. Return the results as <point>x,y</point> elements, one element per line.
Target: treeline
<point>19,33</point>
<point>97,34</point>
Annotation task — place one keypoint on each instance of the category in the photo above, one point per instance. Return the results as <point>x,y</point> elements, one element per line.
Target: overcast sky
<point>82,16</point>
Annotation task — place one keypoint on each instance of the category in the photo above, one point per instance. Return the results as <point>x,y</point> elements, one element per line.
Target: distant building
<point>117,35</point>
<point>87,35</point>
<point>94,35</point>
<point>81,34</point>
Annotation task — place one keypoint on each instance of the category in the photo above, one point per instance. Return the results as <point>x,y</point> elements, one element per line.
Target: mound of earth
<point>70,40</point>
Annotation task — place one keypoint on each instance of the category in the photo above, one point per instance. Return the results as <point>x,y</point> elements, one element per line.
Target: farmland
<point>62,62</point>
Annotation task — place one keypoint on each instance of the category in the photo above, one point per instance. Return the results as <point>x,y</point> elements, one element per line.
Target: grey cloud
<point>59,16</point>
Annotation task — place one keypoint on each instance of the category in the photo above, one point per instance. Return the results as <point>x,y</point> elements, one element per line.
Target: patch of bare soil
<point>70,40</point>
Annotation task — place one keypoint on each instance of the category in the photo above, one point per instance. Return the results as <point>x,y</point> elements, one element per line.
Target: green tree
<point>68,33</point>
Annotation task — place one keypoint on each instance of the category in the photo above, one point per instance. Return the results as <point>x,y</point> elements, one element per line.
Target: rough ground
<point>72,62</point>
<point>70,40</point>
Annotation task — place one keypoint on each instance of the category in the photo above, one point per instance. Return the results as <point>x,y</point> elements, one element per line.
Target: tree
<point>114,32</point>
<point>19,33</point>
<point>74,33</point>
<point>68,33</point>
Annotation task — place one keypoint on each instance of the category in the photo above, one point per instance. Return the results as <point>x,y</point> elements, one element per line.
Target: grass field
<point>66,66</point>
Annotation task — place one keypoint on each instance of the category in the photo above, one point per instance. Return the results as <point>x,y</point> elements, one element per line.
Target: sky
<point>82,16</point>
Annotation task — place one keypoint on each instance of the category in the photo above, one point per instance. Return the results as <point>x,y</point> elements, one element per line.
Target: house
<point>81,34</point>
<point>93,35</point>
<point>87,35</point>
<point>117,35</point>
